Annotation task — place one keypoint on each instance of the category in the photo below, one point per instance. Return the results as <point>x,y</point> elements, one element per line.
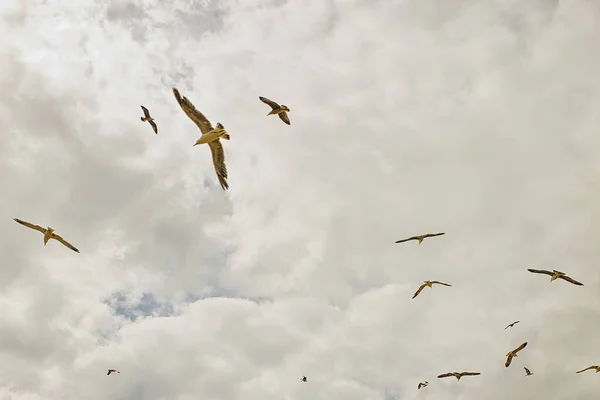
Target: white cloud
<point>477,119</point>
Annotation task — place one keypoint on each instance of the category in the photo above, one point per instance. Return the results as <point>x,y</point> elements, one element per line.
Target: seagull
<point>428,284</point>
<point>527,371</point>
<point>48,234</point>
<point>459,375</point>
<point>421,237</point>
<point>110,371</point>
<point>511,325</point>
<point>280,110</point>
<point>303,379</point>
<point>596,367</point>
<point>148,118</point>
<point>555,275</point>
<point>210,136</point>
<point>511,354</point>
<point>422,384</point>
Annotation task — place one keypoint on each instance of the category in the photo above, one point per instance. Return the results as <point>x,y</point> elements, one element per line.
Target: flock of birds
<point>212,135</point>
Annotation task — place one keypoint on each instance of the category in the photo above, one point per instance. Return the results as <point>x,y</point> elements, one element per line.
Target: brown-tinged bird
<point>303,379</point>
<point>110,371</point>
<point>511,325</point>
<point>148,118</point>
<point>280,110</point>
<point>458,375</point>
<point>210,136</point>
<point>596,367</point>
<point>420,238</point>
<point>511,354</point>
<point>428,284</point>
<point>48,234</point>
<point>527,372</point>
<point>555,275</point>
<point>422,384</point>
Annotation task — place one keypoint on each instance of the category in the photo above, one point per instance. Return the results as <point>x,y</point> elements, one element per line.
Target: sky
<point>474,118</point>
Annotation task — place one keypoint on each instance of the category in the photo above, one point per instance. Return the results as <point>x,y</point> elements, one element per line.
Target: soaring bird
<point>148,118</point>
<point>303,379</point>
<point>511,325</point>
<point>48,234</point>
<point>428,284</point>
<point>110,371</point>
<point>511,354</point>
<point>422,384</point>
<point>555,275</point>
<point>596,367</point>
<point>527,371</point>
<point>280,110</point>
<point>458,375</point>
<point>421,237</point>
<point>210,135</point>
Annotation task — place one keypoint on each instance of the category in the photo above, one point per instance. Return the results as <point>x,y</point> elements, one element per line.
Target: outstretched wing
<point>271,103</point>
<point>419,290</point>
<point>511,325</point>
<point>146,112</point>
<point>470,373</point>
<point>588,368</point>
<point>508,360</point>
<point>284,117</point>
<point>433,234</point>
<point>218,156</point>
<point>569,279</point>
<point>154,127</point>
<point>193,114</point>
<point>521,347</point>
<point>30,225</point>
<point>540,271</point>
<point>406,240</point>
<point>64,242</point>
<point>446,375</point>
<point>440,283</point>
<point>527,371</point>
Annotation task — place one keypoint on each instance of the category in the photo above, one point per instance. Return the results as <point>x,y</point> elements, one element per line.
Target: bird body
<point>458,375</point>
<point>554,275</point>
<point>420,238</point>
<point>527,371</point>
<point>148,118</point>
<point>513,353</point>
<point>511,325</point>
<point>277,109</point>
<point>596,367</point>
<point>422,384</point>
<point>48,234</point>
<point>428,284</point>
<point>303,379</point>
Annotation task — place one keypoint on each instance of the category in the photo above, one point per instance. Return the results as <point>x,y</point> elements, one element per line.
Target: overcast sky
<point>475,118</point>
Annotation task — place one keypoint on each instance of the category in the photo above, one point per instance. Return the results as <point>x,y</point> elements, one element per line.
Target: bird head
<point>50,229</point>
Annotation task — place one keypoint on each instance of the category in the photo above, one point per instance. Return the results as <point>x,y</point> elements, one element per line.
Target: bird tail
<point>226,136</point>
<point>143,119</point>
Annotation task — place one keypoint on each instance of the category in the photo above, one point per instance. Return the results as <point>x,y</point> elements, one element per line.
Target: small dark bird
<point>511,325</point>
<point>511,354</point>
<point>280,110</point>
<point>420,238</point>
<point>555,275</point>
<point>148,118</point>
<point>422,384</point>
<point>303,379</point>
<point>459,375</point>
<point>527,372</point>
<point>596,367</point>
<point>428,284</point>
<point>110,371</point>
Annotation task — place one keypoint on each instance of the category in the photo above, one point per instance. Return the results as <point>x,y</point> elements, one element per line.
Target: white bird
<point>48,234</point>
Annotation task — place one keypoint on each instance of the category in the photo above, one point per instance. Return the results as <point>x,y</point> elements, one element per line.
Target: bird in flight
<point>511,354</point>
<point>458,375</point>
<point>422,384</point>
<point>428,284</point>
<point>420,238</point>
<point>48,234</point>
<point>280,110</point>
<point>527,371</point>
<point>210,136</point>
<point>511,325</point>
<point>555,275</point>
<point>303,379</point>
<point>110,371</point>
<point>596,367</point>
<point>148,118</point>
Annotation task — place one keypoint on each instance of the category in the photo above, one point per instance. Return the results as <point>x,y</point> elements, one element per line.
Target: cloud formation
<point>477,119</point>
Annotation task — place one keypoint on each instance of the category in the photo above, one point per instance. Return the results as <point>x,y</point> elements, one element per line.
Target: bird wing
<point>527,370</point>
<point>569,279</point>
<point>406,240</point>
<point>508,360</point>
<point>540,271</point>
<point>511,325</point>
<point>30,225</point>
<point>154,127</point>
<point>63,241</point>
<point>146,112</point>
<point>419,290</point>
<point>433,234</point>
<point>193,114</point>
<point>470,373</point>
<point>284,117</point>
<point>591,367</point>
<point>521,347</point>
<point>446,375</point>
<point>440,283</point>
<point>271,103</point>
<point>218,156</point>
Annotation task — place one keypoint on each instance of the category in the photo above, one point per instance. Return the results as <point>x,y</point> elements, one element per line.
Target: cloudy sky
<point>475,118</point>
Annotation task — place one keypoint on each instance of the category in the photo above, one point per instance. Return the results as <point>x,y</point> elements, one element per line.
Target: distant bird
<point>428,284</point>
<point>210,136</point>
<point>48,234</point>
<point>422,384</point>
<point>511,354</point>
<point>110,371</point>
<point>303,379</point>
<point>148,118</point>
<point>511,325</point>
<point>596,367</point>
<point>527,371</point>
<point>421,237</point>
<point>555,275</point>
<point>459,375</point>
<point>280,110</point>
